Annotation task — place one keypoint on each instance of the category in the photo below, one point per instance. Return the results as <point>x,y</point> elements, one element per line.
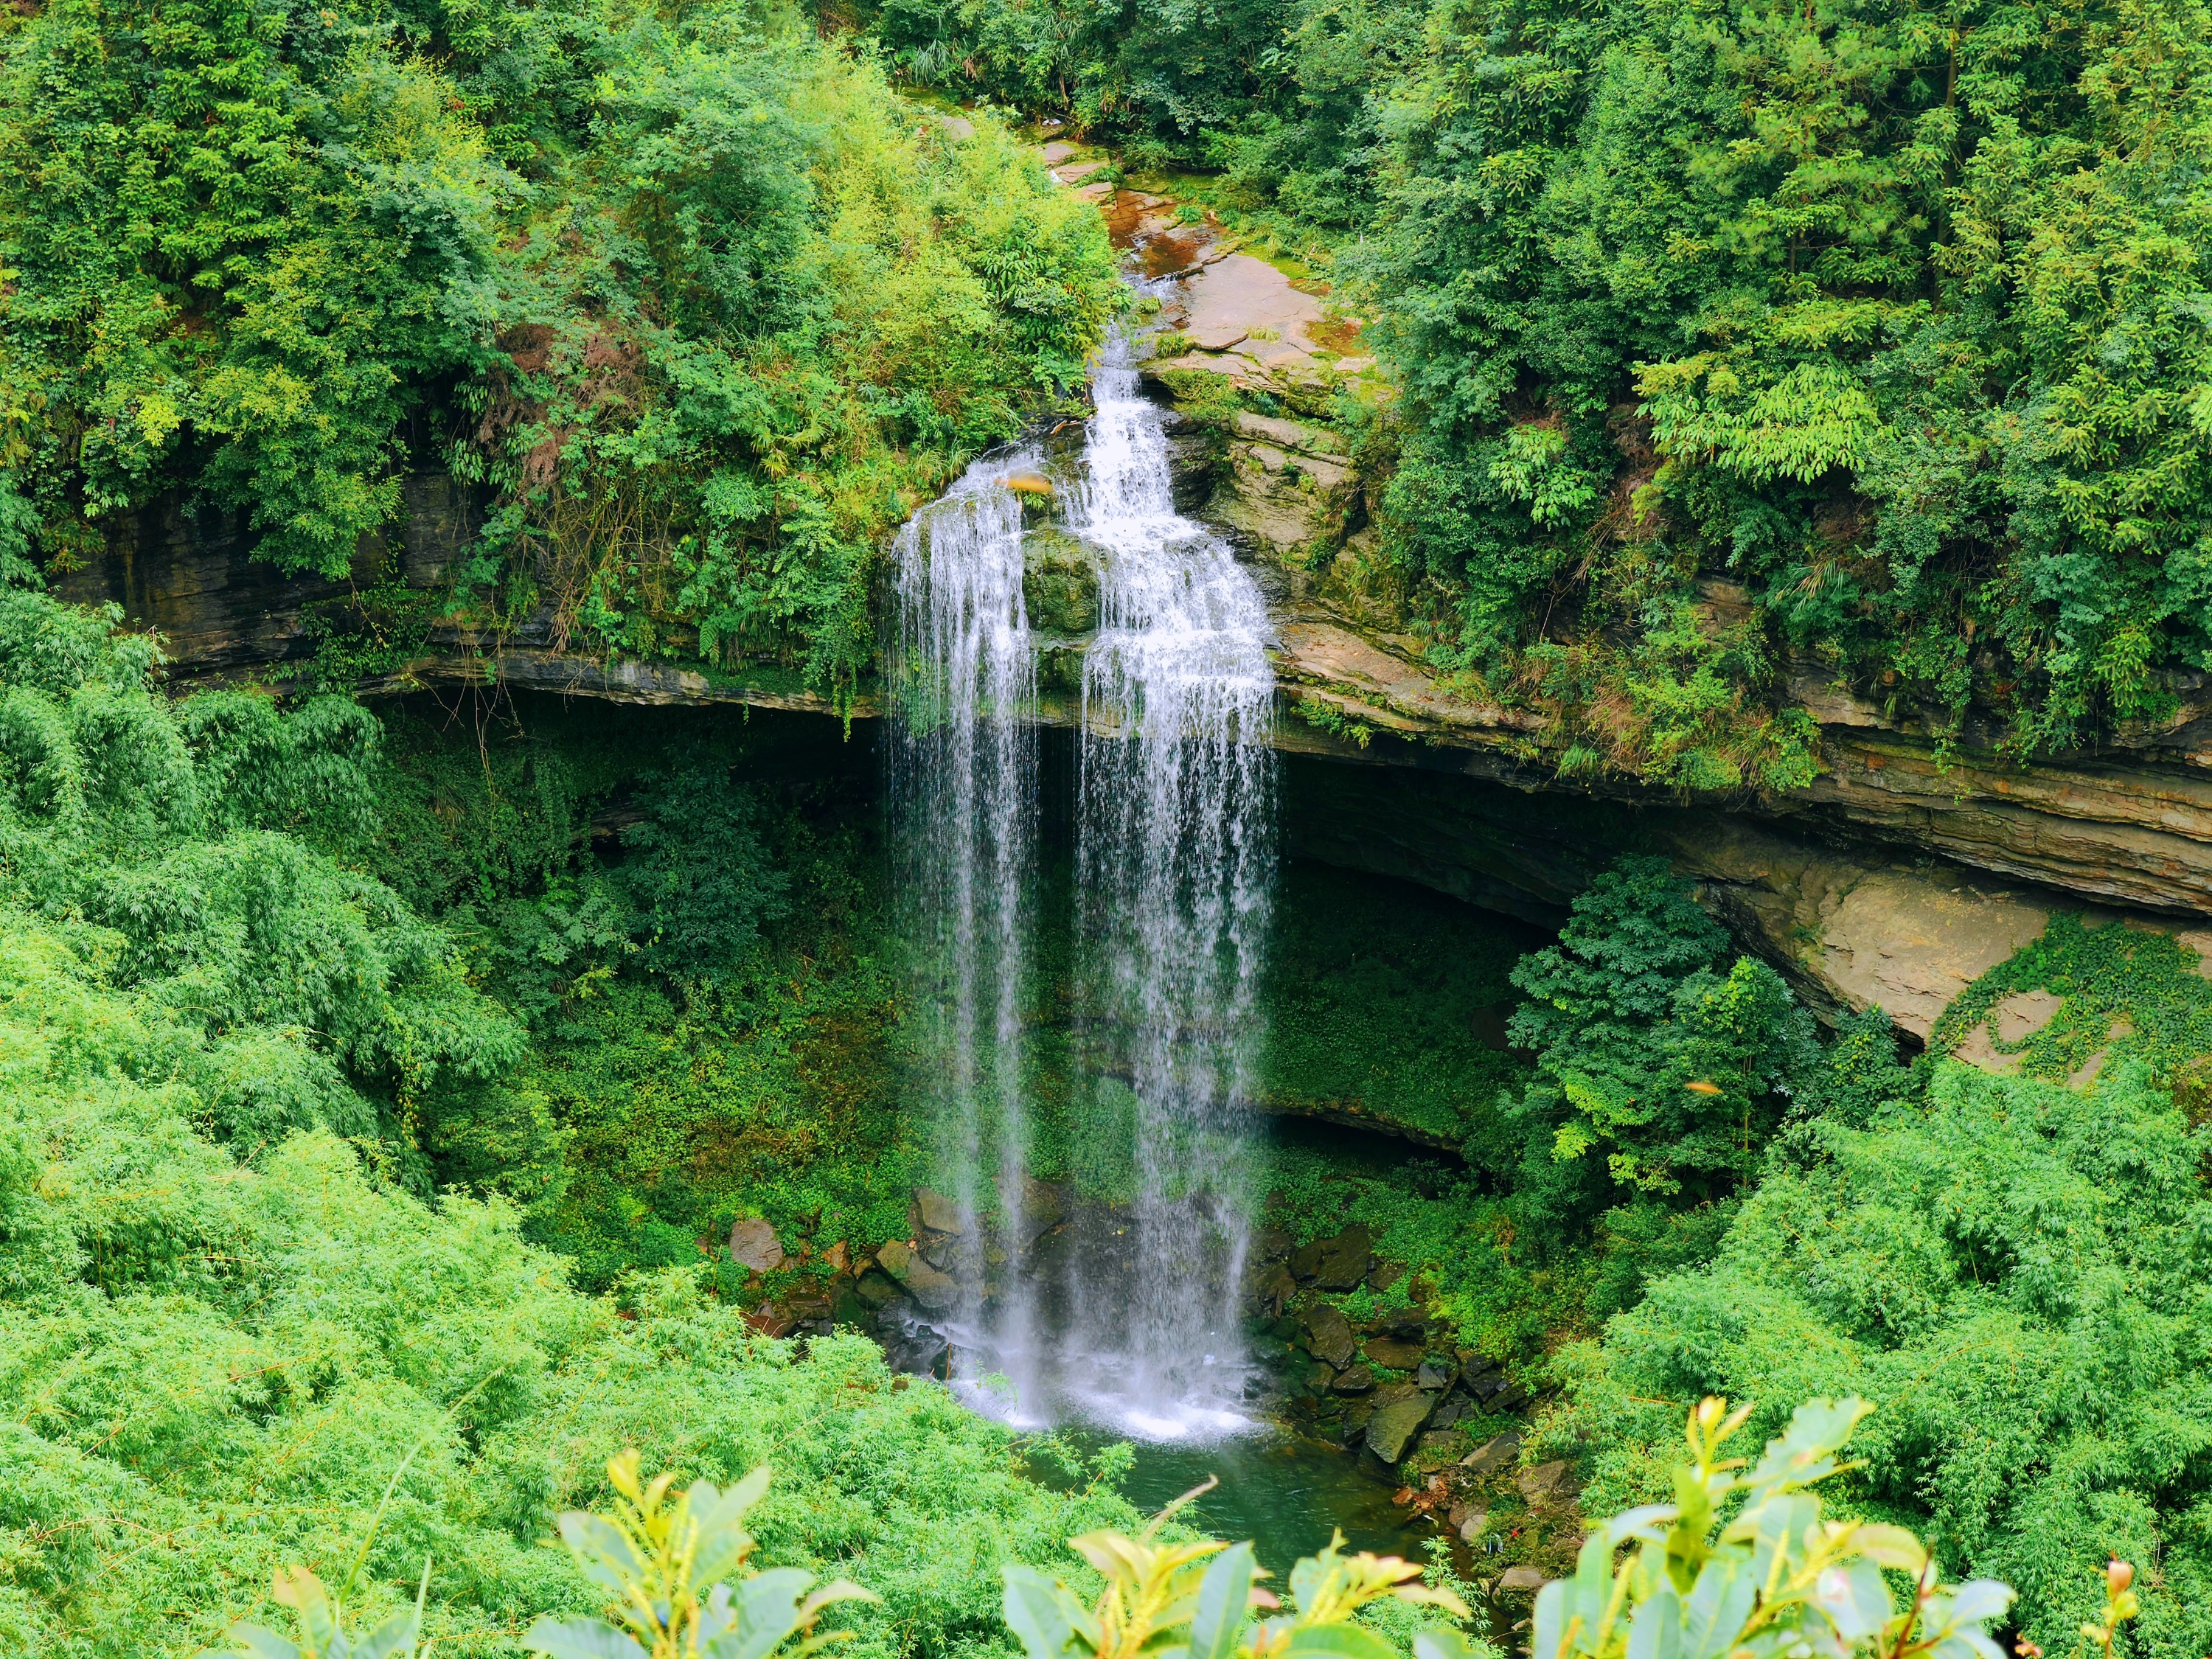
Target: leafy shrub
<point>2010,1270</point>
<point>1647,1050</point>
<point>1743,1563</point>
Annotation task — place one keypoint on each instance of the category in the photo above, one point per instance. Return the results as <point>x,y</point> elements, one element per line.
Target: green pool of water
<point>1282,1493</point>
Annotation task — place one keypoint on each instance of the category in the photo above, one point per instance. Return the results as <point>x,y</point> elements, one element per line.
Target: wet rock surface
<point>754,1245</point>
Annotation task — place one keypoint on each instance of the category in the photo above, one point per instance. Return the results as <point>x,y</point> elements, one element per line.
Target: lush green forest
<point>379,1089</point>
<point>1894,315</point>
<point>379,1084</point>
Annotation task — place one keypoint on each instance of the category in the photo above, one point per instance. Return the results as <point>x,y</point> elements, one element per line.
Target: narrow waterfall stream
<point>963,676</point>
<point>1122,1316</point>
<point>1175,870</point>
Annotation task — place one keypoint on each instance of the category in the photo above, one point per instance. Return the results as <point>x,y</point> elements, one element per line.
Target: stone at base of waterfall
<point>1337,1263</point>
<point>1329,1335</point>
<point>1040,1205</point>
<point>1548,1483</point>
<point>876,1288</point>
<point>1492,1454</point>
<point>1395,1423</point>
<point>1522,1581</point>
<point>1392,1354</point>
<point>754,1245</point>
<point>934,1211</point>
<point>1353,1379</point>
<point>1433,1376</point>
<point>935,1291</point>
<point>1471,1525</point>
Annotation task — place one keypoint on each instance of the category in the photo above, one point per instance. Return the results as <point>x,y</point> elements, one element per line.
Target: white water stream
<point>1174,867</point>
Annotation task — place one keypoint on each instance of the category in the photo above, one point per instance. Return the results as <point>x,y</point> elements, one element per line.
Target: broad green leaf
<point>1340,1642</point>
<point>1655,1630</point>
<point>1854,1598</point>
<point>1979,1599</point>
<point>1805,1450</point>
<point>1223,1595</point>
<point>396,1635</point>
<point>1036,1612</point>
<point>1893,1547</point>
<point>1549,1625</point>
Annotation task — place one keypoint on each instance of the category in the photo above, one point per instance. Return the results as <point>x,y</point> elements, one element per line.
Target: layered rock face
<point>1898,876</point>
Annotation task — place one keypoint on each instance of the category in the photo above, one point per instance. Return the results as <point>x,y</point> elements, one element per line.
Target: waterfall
<point>1175,863</point>
<point>963,681</point>
<point>1134,1320</point>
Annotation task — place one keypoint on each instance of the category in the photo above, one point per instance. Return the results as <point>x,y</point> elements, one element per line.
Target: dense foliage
<point>226,1324</point>
<point>2014,1270</point>
<point>700,301</point>
<point>1893,318</point>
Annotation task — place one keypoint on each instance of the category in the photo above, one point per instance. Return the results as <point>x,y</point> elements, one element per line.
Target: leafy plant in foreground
<point>667,1565</point>
<point>1161,1599</point>
<point>322,1624</point>
<point>1772,1578</point>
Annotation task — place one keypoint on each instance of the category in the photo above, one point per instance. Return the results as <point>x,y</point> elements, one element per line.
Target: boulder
<point>1272,1244</point>
<point>1547,1482</point>
<point>1353,1379</point>
<point>1470,1525</point>
<point>1392,1354</point>
<point>1060,584</point>
<point>935,1291</point>
<point>1276,1287</point>
<point>1329,1335</point>
<point>1493,1454</point>
<point>1473,1367</point>
<point>1434,1374</point>
<point>876,1288</point>
<point>1394,1424</point>
<point>754,1245</point>
<point>1337,1263</point>
<point>839,1256</point>
<point>1522,1581</point>
<point>1237,294</point>
<point>934,1212</point>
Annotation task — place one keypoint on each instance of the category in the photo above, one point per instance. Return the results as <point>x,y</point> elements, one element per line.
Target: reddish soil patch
<point>1123,213</point>
<point>1168,252</point>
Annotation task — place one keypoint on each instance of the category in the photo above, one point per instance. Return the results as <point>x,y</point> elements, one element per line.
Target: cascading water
<point>1174,864</point>
<point>963,681</point>
<point>1134,1321</point>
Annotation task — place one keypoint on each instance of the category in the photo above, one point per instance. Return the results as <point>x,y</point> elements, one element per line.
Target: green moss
<point>1384,1001</point>
<point>2121,991</point>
